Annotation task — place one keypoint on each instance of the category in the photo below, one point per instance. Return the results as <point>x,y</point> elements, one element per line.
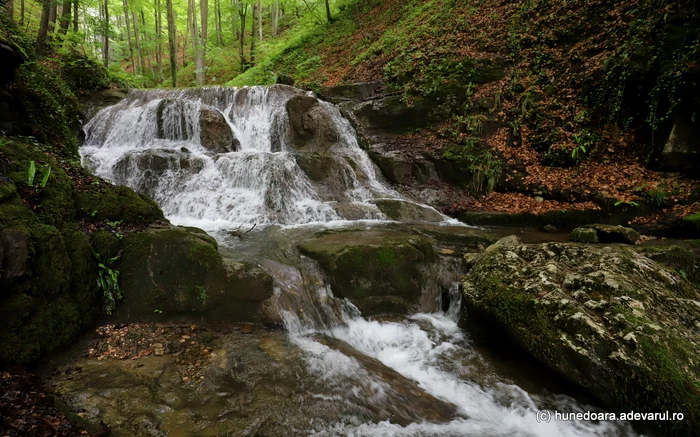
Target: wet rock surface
<point>615,322</point>
<point>178,273</point>
<point>209,381</point>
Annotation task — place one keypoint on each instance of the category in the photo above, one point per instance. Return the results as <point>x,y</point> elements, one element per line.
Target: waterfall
<point>223,157</point>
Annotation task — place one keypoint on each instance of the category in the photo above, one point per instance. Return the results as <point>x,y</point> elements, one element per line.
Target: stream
<point>331,371</point>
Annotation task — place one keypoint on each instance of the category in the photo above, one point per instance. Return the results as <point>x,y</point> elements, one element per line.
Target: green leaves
<point>31,173</point>
<point>108,281</point>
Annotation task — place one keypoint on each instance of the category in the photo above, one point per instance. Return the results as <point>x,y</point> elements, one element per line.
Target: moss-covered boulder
<point>49,291</point>
<point>378,271</point>
<point>178,273</point>
<point>684,259</point>
<point>607,318</point>
<point>401,210</point>
<point>614,233</point>
<point>584,235</point>
<point>117,203</point>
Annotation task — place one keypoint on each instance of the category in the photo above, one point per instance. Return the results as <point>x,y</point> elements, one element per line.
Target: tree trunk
<point>43,28</point>
<point>242,12</point>
<point>260,19</point>
<point>137,42</point>
<point>21,12</point>
<point>217,13</point>
<point>196,46</point>
<point>252,35</point>
<point>52,21</point>
<point>275,17</point>
<point>201,54</point>
<point>159,39</point>
<point>75,16</point>
<point>10,6</point>
<point>172,42</point>
<point>187,33</point>
<point>65,16</point>
<point>328,12</point>
<point>105,35</point>
<point>128,37</point>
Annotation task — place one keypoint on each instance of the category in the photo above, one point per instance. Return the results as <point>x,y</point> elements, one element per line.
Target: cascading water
<point>220,158</point>
<point>154,142</point>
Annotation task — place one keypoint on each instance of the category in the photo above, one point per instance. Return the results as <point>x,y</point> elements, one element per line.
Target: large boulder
<point>215,134</point>
<point>353,91</point>
<point>311,124</point>
<point>605,317</point>
<point>378,271</point>
<point>177,273</point>
<point>15,251</point>
<point>606,234</point>
<point>682,150</point>
<point>176,120</point>
<point>401,210</point>
<point>146,169</point>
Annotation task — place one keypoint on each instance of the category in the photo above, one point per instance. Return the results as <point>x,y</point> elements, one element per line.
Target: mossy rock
<point>404,211</point>
<point>584,235</point>
<point>379,271</point>
<point>614,234</point>
<point>174,273</point>
<point>684,260</point>
<point>117,204</point>
<point>604,317</point>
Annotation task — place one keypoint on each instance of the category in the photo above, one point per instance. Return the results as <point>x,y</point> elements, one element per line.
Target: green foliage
<point>50,106</point>
<point>108,281</point>
<point>483,167</point>
<point>31,172</point>
<point>82,73</point>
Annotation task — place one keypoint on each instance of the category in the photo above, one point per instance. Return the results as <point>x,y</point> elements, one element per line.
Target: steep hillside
<point>567,101</point>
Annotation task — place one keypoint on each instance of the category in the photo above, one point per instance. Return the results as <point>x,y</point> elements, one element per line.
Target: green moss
<point>117,203</point>
<point>50,107</point>
<point>106,243</point>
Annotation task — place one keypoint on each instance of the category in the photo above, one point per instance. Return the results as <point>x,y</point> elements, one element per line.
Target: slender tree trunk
<point>217,13</point>
<point>201,53</point>
<point>275,17</point>
<point>144,39</point>
<point>252,35</point>
<point>172,42</point>
<point>137,41</point>
<point>43,28</point>
<point>75,16</point>
<point>52,21</point>
<point>128,36</point>
<point>242,12</point>
<point>10,6</point>
<point>196,41</point>
<point>328,12</point>
<point>159,39</point>
<point>260,19</point>
<point>21,12</point>
<point>105,35</point>
<point>65,16</point>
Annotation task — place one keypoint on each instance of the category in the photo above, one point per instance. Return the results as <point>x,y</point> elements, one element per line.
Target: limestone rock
<point>180,273</point>
<point>614,234</point>
<point>681,151</point>
<point>611,320</point>
<point>311,124</point>
<point>584,235</point>
<point>354,91</point>
<point>404,211</point>
<point>379,271</point>
<point>15,253</point>
<point>215,133</point>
